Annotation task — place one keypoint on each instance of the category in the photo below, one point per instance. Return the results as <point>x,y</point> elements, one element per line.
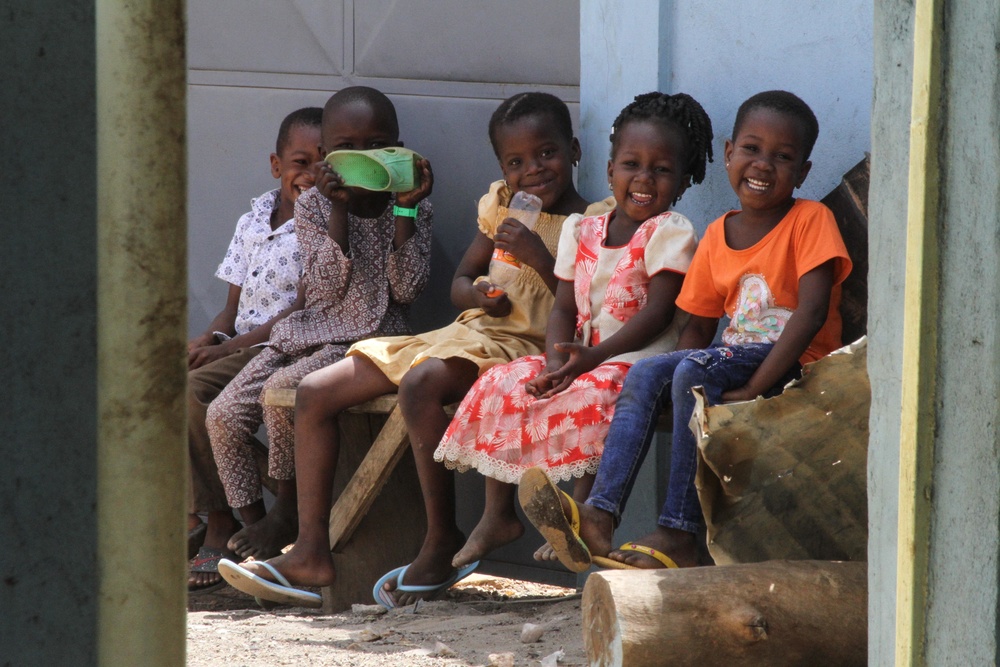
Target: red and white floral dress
<point>500,429</point>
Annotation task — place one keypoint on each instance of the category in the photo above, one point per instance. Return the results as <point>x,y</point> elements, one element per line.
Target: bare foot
<point>597,528</point>
<point>266,538</point>
<point>596,531</point>
<point>490,533</point>
<point>545,553</point>
<point>301,566</point>
<point>431,566</point>
<point>678,545</point>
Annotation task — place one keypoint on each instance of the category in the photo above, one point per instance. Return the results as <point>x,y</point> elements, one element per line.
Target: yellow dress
<point>483,340</point>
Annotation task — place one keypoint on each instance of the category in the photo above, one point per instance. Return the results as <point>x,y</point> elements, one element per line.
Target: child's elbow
<point>816,316</point>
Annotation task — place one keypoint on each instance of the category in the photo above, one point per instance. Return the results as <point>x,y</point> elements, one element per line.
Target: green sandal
<point>380,169</point>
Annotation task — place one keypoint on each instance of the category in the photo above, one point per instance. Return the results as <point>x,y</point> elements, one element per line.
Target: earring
<point>576,162</point>
<point>727,165</point>
<point>609,187</point>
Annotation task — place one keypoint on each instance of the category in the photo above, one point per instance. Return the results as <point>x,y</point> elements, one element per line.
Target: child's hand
<point>201,356</point>
<point>581,359</point>
<point>497,305</point>
<point>331,185</point>
<point>411,198</point>
<point>205,339</point>
<point>524,244</point>
<point>540,385</point>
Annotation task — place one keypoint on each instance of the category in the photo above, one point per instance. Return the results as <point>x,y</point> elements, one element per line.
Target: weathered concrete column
<point>142,450</point>
<point>48,276</point>
<point>953,618</point>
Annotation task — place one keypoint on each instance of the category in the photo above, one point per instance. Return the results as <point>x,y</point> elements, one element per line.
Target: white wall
<point>446,64</point>
<point>721,53</point>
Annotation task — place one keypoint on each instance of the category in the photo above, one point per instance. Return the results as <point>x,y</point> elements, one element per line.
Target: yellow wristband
<point>404,212</point>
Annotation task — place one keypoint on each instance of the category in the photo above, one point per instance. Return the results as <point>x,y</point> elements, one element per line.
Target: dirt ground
<point>481,621</point>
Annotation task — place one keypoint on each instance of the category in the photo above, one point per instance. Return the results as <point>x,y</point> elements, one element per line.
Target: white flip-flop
<point>281,591</point>
<point>386,600</point>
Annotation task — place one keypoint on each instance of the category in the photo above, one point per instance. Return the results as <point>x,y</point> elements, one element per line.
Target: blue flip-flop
<point>281,591</point>
<point>383,597</point>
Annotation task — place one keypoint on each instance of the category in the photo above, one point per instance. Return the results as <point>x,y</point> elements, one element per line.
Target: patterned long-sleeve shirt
<point>348,298</point>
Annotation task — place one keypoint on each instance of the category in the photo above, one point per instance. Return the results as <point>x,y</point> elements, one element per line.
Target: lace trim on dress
<point>458,458</point>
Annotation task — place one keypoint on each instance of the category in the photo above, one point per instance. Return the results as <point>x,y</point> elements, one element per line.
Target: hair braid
<point>680,110</point>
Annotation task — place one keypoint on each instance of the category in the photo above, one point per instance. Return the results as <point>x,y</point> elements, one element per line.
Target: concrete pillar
<point>957,621</point>
<point>142,449</point>
<point>48,397</point>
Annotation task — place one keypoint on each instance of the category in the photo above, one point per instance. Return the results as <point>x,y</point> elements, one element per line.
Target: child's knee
<point>421,383</point>
<point>215,417</point>
<point>312,395</point>
<point>691,371</point>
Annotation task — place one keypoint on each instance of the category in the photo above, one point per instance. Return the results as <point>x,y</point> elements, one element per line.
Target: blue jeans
<point>650,383</point>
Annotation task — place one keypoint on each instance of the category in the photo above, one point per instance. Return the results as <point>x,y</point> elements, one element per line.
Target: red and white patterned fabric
<point>500,429</point>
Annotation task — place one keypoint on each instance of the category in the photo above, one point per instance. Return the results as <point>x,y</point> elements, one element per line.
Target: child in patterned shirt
<point>367,257</point>
<point>262,267</point>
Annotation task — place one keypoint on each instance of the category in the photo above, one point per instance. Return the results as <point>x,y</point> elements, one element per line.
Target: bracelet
<point>405,212</point>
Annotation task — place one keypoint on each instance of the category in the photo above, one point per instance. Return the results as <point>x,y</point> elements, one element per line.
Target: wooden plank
<point>368,480</point>
<point>383,405</point>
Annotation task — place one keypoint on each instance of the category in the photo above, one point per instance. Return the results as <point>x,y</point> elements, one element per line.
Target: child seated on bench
<point>532,136</point>
<point>366,257</point>
<point>775,268</point>
<point>620,274</point>
<point>262,267</point>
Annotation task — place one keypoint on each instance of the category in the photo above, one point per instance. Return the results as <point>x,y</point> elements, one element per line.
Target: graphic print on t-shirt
<point>756,318</point>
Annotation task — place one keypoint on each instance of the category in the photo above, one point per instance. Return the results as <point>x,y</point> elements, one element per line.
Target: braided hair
<point>524,105</point>
<point>680,110</point>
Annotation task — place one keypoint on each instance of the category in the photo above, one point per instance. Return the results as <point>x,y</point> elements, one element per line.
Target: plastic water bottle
<point>504,267</point>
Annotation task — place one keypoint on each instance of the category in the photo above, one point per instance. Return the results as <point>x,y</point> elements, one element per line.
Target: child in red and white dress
<point>619,275</point>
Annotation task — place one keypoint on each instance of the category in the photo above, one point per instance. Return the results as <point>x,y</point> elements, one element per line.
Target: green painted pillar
<point>142,287</point>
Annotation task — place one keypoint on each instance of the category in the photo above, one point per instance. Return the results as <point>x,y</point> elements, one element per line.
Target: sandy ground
<point>480,621</point>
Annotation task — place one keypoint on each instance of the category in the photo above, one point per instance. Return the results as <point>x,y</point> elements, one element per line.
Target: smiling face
<point>535,157</point>
<point>294,166</point>
<point>766,160</point>
<point>646,171</point>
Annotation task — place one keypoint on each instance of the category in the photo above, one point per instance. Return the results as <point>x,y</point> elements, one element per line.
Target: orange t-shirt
<point>758,288</point>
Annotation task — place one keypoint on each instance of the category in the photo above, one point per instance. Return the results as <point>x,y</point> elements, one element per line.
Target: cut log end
<point>601,633</point>
<point>774,613</point>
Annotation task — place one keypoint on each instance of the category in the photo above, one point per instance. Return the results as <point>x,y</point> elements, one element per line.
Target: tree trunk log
<point>773,613</point>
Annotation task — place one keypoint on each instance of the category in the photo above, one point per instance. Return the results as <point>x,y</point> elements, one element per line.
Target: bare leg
<point>498,526</point>
<point>423,394</point>
<point>321,397</point>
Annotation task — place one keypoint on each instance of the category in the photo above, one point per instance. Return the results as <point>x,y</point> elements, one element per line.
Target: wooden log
<point>773,613</point>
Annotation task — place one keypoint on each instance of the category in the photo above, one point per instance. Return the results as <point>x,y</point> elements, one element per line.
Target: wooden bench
<point>377,521</point>
<point>363,475</point>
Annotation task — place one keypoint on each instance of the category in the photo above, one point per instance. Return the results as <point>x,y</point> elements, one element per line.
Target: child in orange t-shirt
<point>774,268</point>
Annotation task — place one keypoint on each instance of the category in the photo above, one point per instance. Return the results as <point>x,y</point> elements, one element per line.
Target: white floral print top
<point>265,264</point>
